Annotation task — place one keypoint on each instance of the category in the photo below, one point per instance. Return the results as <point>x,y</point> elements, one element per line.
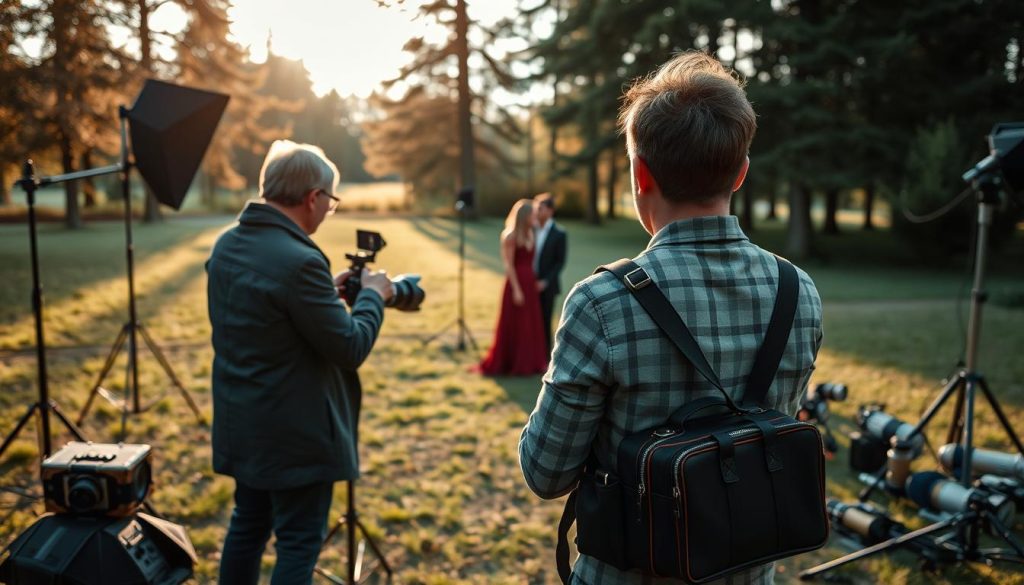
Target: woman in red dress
<point>519,347</point>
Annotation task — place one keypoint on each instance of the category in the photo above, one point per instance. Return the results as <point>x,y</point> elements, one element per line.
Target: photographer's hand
<point>378,281</point>
<point>339,282</point>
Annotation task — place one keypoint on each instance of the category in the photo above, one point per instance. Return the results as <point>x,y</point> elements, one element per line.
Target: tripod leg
<point>956,427</point>
<point>73,429</point>
<point>17,428</point>
<point>155,350</point>
<point>374,548</point>
<point>114,351</point>
<point>880,547</point>
<point>440,332</point>
<point>1004,532</point>
<point>1000,415</point>
<point>469,336</point>
<point>952,386</point>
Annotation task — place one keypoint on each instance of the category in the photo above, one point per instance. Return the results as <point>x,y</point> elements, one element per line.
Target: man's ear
<point>642,176</point>
<point>742,175</point>
<point>309,199</point>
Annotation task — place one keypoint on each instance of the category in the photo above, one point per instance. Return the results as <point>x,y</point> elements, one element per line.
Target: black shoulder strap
<point>665,317</point>
<point>766,364</point>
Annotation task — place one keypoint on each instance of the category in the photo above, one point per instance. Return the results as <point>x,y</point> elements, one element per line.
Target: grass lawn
<point>441,489</point>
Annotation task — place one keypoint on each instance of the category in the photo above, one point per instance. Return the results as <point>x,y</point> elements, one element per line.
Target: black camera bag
<point>719,487</point>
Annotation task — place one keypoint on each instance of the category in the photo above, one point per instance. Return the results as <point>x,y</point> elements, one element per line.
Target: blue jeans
<point>297,517</point>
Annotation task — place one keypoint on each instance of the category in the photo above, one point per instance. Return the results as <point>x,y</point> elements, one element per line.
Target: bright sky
<point>347,45</point>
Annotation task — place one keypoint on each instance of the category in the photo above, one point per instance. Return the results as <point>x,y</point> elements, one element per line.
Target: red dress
<point>519,348</point>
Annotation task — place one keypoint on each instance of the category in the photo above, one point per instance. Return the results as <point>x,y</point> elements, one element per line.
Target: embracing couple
<point>533,250</point>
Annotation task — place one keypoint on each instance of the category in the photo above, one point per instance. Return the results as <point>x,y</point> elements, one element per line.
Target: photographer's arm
<point>557,439</point>
<point>344,339</point>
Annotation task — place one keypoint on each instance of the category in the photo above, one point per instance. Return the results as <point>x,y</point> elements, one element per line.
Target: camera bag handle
<point>766,364</point>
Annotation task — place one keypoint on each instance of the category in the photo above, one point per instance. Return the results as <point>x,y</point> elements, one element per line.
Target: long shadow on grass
<point>72,260</point>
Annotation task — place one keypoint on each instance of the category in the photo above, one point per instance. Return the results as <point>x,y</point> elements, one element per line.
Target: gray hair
<point>291,170</point>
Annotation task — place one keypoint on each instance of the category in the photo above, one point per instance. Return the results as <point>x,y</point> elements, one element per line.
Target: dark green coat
<point>285,390</point>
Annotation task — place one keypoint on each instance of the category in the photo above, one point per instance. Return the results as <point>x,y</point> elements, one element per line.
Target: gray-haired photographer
<point>286,390</point>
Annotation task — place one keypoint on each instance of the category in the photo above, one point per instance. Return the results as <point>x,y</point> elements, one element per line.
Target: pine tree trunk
<point>772,200</point>
<point>613,180</point>
<point>869,207</point>
<point>831,209</point>
<point>747,219</point>
<point>799,233</point>
<point>467,164</point>
<point>5,190</point>
<point>593,188</point>
<point>72,214</point>
<point>88,186</point>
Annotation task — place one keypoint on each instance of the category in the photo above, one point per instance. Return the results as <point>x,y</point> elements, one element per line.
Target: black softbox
<point>171,126</point>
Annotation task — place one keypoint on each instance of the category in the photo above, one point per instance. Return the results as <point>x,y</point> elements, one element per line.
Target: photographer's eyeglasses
<point>333,204</point>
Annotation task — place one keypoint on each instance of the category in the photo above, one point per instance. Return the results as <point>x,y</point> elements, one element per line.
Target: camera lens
<point>84,494</point>
<point>408,294</point>
<point>831,391</point>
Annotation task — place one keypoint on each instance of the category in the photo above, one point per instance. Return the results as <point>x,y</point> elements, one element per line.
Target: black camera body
<point>97,479</point>
<point>814,408</point>
<point>408,294</point>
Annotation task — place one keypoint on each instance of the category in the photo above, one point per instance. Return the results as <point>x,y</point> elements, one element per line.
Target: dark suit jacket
<point>285,390</point>
<point>552,260</point>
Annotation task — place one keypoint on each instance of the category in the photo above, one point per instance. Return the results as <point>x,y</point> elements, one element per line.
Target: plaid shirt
<point>613,372</point>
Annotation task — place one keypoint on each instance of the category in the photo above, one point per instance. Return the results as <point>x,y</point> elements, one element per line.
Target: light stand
<point>460,322</point>
<point>45,404</point>
<point>350,519</point>
<point>133,326</point>
<point>967,525</point>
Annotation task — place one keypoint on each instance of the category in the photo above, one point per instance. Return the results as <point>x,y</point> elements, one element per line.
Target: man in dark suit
<point>549,258</point>
<point>286,393</point>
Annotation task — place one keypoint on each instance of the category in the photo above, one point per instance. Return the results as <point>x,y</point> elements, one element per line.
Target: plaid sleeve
<point>557,438</point>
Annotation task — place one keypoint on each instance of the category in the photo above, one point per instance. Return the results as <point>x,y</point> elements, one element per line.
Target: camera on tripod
<point>881,432</point>
<point>814,408</point>
<point>97,479</point>
<point>408,294</point>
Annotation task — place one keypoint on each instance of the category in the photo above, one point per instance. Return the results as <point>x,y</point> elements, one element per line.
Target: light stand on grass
<point>44,405</point>
<point>171,126</point>
<point>350,520</point>
<point>987,181</point>
<point>462,206</point>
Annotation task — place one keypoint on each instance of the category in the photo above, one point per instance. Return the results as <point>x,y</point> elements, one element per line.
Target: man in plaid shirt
<point>613,372</point>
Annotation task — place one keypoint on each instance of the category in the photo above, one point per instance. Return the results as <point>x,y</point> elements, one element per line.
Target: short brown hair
<point>545,199</point>
<point>692,124</point>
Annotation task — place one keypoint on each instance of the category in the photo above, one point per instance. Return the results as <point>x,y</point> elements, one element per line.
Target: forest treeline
<point>858,101</point>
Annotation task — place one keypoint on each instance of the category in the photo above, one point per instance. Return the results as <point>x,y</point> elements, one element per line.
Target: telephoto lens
<point>933,490</point>
<point>831,391</point>
<point>870,525</point>
<point>882,425</point>
<point>982,461</point>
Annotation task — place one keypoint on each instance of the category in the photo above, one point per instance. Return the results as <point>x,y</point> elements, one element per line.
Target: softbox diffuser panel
<point>171,127</point>
<point>1007,140</point>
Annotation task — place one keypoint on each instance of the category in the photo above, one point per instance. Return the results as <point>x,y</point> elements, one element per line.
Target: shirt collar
<point>712,228</point>
<point>546,227</point>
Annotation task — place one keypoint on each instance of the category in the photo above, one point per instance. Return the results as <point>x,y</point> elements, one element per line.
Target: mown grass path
<point>441,489</point>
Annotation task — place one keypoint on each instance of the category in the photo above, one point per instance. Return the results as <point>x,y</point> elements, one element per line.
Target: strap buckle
<point>642,279</point>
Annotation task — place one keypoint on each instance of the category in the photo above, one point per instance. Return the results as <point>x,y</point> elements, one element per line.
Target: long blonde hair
<point>519,223</point>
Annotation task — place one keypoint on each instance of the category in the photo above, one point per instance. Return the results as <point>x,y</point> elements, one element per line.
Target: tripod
<point>355,557</point>
<point>131,330</point>
<point>45,404</point>
<point>963,541</point>
<point>460,321</point>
